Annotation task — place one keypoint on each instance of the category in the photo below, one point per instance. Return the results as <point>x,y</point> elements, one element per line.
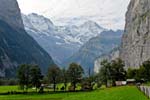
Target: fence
<point>145,90</point>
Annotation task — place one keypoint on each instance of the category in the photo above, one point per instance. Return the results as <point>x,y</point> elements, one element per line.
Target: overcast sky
<point>109,11</point>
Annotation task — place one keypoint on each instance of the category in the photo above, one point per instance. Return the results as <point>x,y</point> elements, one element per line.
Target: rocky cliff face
<point>136,39</point>
<point>16,46</point>
<point>112,55</point>
<point>10,13</point>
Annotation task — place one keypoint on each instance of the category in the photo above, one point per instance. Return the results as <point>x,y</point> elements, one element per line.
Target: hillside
<point>16,46</point>
<point>95,47</point>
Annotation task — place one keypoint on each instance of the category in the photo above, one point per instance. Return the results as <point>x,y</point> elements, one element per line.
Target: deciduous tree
<point>75,72</point>
<point>23,76</point>
<point>35,76</point>
<point>54,75</point>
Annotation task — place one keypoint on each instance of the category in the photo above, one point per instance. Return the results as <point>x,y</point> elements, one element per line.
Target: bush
<point>8,82</point>
<point>86,86</point>
<point>71,88</point>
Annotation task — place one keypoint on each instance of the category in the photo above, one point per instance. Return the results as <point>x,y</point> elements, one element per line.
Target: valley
<point>79,51</point>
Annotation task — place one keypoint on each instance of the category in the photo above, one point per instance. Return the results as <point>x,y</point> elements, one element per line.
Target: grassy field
<point>5,89</point>
<point>118,93</point>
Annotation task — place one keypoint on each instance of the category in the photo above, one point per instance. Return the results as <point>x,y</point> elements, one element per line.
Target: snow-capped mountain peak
<point>67,36</point>
<point>38,22</point>
<point>90,24</point>
<point>70,34</point>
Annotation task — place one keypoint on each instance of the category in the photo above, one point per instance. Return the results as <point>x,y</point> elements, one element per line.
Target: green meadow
<point>115,93</point>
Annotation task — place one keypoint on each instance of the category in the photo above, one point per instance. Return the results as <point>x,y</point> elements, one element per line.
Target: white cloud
<point>29,6</point>
<point>111,12</point>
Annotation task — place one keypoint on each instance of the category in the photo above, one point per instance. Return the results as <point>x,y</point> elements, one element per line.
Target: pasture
<point>115,93</point>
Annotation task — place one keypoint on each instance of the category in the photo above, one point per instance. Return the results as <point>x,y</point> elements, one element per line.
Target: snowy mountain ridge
<point>69,33</point>
<point>60,41</point>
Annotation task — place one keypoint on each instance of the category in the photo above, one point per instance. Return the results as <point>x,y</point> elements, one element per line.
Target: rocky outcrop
<point>112,55</point>
<point>10,13</point>
<point>135,47</point>
<point>16,46</point>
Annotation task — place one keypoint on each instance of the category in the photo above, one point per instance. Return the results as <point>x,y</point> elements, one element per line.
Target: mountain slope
<point>95,47</point>
<point>10,13</point>
<point>112,55</point>
<point>16,46</point>
<point>59,41</point>
<point>135,47</point>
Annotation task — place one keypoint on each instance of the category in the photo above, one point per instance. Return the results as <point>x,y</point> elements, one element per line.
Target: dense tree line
<point>30,76</point>
<point>141,74</point>
<point>110,72</point>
